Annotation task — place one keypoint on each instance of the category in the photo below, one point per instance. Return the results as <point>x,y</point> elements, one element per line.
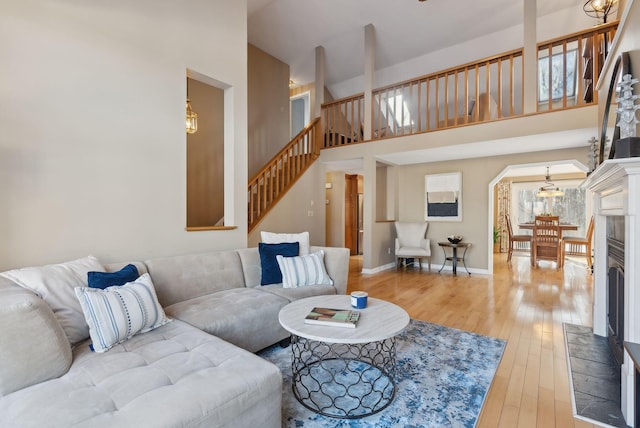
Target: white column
<point>369,166</point>
<point>530,58</point>
<point>369,70</point>
<point>319,81</point>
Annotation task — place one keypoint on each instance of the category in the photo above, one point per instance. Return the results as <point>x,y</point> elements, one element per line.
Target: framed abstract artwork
<point>443,197</point>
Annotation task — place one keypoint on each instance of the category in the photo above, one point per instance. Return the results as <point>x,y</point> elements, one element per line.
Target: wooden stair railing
<point>282,171</point>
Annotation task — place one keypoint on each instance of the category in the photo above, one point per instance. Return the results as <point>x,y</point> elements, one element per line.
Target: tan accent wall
<point>268,109</point>
<point>205,156</point>
<point>476,176</point>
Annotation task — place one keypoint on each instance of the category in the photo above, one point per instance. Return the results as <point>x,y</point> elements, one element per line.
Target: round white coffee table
<point>344,372</point>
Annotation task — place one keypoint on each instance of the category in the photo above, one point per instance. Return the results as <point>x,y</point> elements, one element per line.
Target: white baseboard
<point>460,269</point>
<point>425,266</point>
<point>378,269</point>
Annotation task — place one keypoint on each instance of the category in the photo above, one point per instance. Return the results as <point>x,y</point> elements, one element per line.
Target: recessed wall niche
<point>205,156</point>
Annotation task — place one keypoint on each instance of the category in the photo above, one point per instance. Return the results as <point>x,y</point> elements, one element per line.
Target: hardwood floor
<point>525,306</point>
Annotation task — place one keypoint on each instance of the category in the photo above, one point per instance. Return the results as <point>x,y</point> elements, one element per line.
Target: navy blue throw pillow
<point>271,273</point>
<point>103,280</point>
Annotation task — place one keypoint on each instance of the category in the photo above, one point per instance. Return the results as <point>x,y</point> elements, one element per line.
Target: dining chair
<point>580,245</point>
<point>547,242</point>
<point>518,243</point>
<point>411,242</point>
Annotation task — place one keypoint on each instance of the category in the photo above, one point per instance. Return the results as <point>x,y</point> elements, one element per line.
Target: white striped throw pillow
<point>304,270</point>
<point>117,313</point>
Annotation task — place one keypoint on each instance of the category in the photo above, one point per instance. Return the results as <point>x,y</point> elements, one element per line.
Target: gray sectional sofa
<point>198,370</point>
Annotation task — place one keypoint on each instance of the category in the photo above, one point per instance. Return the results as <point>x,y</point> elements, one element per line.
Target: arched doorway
<point>530,169</point>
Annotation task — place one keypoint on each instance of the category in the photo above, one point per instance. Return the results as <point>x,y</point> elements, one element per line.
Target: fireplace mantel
<point>616,188</point>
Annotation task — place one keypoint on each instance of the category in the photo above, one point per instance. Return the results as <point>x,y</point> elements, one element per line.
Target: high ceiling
<point>405,30</point>
<point>290,30</point>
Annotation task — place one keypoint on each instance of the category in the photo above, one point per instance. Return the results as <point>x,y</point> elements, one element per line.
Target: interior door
<point>299,111</point>
<point>351,213</point>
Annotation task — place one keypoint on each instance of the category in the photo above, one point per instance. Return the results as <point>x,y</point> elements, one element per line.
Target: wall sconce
<point>192,119</point>
<point>600,9</point>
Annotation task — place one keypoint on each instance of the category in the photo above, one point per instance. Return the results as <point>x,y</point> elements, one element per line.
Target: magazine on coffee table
<point>333,317</point>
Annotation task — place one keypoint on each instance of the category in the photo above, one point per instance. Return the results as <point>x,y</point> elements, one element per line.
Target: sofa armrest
<point>34,347</point>
<point>336,261</point>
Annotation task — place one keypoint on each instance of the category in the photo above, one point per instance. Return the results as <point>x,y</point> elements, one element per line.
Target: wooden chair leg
<point>559,258</point>
<point>533,255</point>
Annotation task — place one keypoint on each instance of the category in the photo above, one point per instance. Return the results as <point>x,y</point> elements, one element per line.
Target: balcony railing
<point>484,90</point>
<point>343,121</point>
<point>576,62</point>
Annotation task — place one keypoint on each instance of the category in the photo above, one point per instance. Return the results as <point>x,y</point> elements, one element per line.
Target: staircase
<point>282,171</point>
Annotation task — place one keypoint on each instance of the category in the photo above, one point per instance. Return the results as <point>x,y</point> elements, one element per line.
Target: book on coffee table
<point>333,317</point>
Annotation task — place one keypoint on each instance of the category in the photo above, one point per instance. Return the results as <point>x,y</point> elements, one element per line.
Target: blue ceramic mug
<point>359,299</point>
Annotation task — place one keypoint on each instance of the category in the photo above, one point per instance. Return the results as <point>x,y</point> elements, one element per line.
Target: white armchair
<point>412,243</point>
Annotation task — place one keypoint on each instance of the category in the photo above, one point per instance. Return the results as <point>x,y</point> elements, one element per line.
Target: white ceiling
<point>290,30</point>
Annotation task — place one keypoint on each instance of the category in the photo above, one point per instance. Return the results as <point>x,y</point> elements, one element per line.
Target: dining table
<point>563,226</point>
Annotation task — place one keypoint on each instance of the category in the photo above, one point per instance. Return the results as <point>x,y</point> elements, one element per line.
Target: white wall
<point>335,209</point>
<point>92,140</point>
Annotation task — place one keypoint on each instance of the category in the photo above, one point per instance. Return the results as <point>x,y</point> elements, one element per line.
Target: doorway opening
<point>533,173</point>
<point>354,213</point>
<point>300,112</point>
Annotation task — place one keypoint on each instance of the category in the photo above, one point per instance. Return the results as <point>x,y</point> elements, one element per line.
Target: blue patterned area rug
<point>442,379</point>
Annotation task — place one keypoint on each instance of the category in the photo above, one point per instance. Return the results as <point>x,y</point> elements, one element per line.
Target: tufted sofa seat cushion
<point>232,315</point>
<point>173,376</point>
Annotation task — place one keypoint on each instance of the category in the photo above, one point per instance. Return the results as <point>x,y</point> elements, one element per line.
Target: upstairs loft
<point>486,90</point>
<point>404,117</point>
